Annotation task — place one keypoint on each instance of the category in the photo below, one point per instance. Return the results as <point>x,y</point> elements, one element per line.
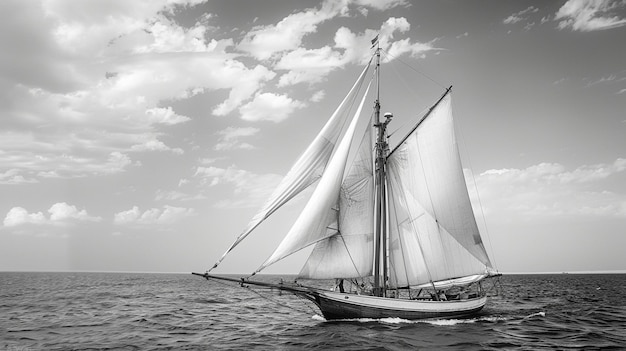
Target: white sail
<point>309,166</point>
<point>348,252</point>
<point>316,220</point>
<point>433,235</point>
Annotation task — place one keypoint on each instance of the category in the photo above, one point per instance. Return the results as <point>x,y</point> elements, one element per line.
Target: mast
<point>380,208</point>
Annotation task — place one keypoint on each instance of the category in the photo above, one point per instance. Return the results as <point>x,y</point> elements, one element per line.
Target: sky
<point>144,135</point>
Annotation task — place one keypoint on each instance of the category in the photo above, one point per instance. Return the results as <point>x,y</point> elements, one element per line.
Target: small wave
<point>538,314</point>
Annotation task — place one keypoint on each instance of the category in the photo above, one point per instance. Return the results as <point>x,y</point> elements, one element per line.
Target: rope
<point>269,299</point>
<point>414,69</point>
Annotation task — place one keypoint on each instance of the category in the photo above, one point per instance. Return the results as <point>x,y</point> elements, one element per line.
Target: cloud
<point>382,5</point>
<point>309,66</point>
<point>86,85</point>
<point>153,216</point>
<point>250,189</point>
<point>165,115</point>
<point>18,215</point>
<point>313,65</point>
<point>318,96</point>
<point>176,196</point>
<point>549,189</point>
<point>229,138</point>
<point>591,15</point>
<point>520,16</point>
<point>61,213</point>
<point>264,41</point>
<point>269,107</point>
<point>156,145</point>
<point>358,46</point>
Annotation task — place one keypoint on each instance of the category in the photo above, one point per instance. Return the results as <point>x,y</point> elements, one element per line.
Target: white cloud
<point>176,196</point>
<point>264,41</point>
<point>313,65</point>
<point>61,213</point>
<point>165,115</point>
<point>153,216</point>
<point>549,189</point>
<point>102,71</point>
<point>18,215</point>
<point>590,15</point>
<point>382,5</point>
<point>520,16</point>
<point>13,176</point>
<point>358,47</point>
<point>229,138</point>
<point>318,96</point>
<point>308,65</point>
<point>155,145</point>
<point>250,189</point>
<point>269,107</point>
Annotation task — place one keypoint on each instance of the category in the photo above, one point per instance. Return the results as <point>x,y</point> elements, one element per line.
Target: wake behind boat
<point>394,228</point>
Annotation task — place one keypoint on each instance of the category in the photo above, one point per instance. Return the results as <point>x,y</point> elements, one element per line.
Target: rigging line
<point>272,300</point>
<point>406,122</point>
<point>413,68</point>
<point>480,205</point>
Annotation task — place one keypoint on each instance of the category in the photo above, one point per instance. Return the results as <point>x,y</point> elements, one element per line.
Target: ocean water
<point>117,311</point>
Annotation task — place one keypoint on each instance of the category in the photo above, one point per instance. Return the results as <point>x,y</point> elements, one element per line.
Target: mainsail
<point>433,235</point>
<point>309,166</point>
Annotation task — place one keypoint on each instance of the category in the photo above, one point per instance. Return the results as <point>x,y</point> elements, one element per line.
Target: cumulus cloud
<point>165,115</point>
<point>249,189</point>
<point>19,215</point>
<point>102,71</point>
<point>591,15</point>
<point>61,213</point>
<point>318,96</point>
<point>550,189</point>
<point>269,107</point>
<point>229,138</point>
<point>264,41</point>
<point>155,145</point>
<point>166,215</point>
<point>309,66</point>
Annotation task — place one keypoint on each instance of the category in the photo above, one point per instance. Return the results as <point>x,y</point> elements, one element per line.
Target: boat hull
<point>349,306</point>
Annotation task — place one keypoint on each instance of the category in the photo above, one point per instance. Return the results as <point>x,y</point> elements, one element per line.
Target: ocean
<point>123,311</point>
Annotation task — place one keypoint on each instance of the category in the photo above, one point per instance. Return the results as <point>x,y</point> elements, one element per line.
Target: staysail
<point>433,235</point>
<point>309,166</point>
<point>348,252</point>
<point>316,221</point>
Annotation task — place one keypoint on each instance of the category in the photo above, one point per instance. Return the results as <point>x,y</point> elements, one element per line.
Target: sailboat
<point>393,228</point>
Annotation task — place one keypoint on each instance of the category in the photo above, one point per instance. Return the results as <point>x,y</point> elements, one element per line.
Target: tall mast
<point>380,284</point>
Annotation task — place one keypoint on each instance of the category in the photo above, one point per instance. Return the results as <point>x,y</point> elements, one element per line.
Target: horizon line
<point>612,271</point>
